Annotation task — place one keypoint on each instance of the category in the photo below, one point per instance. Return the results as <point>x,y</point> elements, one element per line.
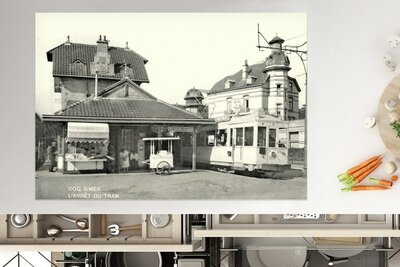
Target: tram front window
<point>262,136</point>
<point>272,138</point>
<point>221,137</point>
<point>248,136</point>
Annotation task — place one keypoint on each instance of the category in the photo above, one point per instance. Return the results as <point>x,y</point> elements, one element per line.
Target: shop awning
<point>87,132</point>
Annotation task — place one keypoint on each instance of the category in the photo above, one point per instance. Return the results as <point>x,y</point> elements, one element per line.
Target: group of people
<point>125,158</point>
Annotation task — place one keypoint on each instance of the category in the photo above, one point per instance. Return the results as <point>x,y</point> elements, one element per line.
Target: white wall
<point>217,103</point>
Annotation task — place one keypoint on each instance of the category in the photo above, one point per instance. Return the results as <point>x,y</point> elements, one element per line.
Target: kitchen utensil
<point>80,223</point>
<point>103,225</point>
<point>388,135</point>
<point>56,231</point>
<point>159,220</point>
<point>115,229</point>
<point>20,220</point>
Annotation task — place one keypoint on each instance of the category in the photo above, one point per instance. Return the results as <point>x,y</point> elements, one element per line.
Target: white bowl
<point>20,220</point>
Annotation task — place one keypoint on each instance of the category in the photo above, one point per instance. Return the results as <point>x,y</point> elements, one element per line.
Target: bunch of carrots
<point>358,173</point>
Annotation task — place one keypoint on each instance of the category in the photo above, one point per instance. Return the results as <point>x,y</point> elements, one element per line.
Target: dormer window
<point>77,67</point>
<point>229,84</point>
<point>251,80</point>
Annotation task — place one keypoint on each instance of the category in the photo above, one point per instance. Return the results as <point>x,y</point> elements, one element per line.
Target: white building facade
<point>259,125</point>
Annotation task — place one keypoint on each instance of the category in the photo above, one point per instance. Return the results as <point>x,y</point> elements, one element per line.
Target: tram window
<point>272,138</point>
<point>221,137</point>
<point>262,136</point>
<point>239,136</point>
<point>248,136</point>
<point>231,138</point>
<point>210,138</point>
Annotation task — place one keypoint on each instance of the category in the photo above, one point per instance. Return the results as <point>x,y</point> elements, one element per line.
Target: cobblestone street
<point>201,184</point>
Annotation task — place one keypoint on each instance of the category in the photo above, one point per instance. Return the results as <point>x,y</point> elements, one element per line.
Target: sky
<point>183,49</point>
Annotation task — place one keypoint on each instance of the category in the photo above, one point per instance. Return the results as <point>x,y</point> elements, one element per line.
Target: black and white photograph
<point>178,106</point>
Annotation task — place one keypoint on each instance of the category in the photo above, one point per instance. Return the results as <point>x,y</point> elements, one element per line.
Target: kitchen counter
<point>97,237</point>
<point>272,225</point>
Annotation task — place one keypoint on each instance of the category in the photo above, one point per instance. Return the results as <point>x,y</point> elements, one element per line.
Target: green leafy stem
<point>396,126</point>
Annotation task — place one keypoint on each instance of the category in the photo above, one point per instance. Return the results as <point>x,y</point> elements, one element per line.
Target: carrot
<point>364,188</point>
<point>351,171</point>
<point>381,182</point>
<point>365,168</point>
<point>368,172</point>
<point>352,180</point>
<point>349,177</point>
<point>395,178</point>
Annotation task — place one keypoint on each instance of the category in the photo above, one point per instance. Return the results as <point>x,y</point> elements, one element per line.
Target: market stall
<point>87,147</point>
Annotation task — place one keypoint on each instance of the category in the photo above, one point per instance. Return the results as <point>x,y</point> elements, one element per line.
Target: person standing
<point>53,157</point>
<point>124,160</point>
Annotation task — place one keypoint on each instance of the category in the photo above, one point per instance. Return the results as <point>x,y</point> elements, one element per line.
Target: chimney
<point>126,46</point>
<point>102,45</point>
<point>245,70</point>
<point>68,42</point>
<point>102,59</point>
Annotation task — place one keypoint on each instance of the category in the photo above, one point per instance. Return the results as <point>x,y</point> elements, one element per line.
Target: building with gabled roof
<point>258,118</point>
<point>117,121</point>
<point>265,85</point>
<point>75,66</point>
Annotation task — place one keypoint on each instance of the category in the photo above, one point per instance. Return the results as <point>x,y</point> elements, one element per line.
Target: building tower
<point>194,101</point>
<point>283,99</point>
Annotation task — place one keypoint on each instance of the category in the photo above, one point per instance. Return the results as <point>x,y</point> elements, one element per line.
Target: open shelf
<point>44,221</point>
<point>276,221</point>
<point>20,233</point>
<point>100,231</point>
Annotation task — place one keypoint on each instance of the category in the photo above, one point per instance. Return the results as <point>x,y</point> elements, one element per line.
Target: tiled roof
<point>126,108</point>
<point>124,80</point>
<point>63,55</point>
<point>254,70</point>
<point>276,39</point>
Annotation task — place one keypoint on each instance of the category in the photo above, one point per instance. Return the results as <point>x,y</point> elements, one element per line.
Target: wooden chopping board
<point>388,135</point>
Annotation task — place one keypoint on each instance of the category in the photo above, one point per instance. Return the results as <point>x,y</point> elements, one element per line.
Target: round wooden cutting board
<point>388,135</point>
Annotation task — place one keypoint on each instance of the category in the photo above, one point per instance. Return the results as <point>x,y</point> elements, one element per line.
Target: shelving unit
<point>275,221</point>
<point>97,236</point>
<point>273,225</point>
